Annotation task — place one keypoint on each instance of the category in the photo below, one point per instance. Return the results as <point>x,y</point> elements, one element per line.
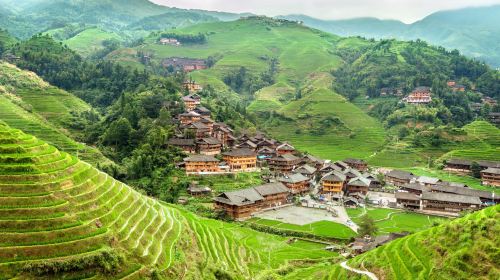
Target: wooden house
<point>196,164</point>
<point>266,153</point>
<point>460,166</point>
<point>224,133</point>
<point>296,182</point>
<point>208,146</point>
<point>420,95</point>
<point>241,160</point>
<point>333,183</point>
<point>358,185</point>
<point>486,197</point>
<point>284,163</point>
<point>408,200</point>
<point>189,117</point>
<point>306,170</point>
<point>187,145</point>
<point>191,102</point>
<point>192,86</point>
<point>203,111</point>
<point>196,129</point>
<point>414,188</point>
<point>270,143</point>
<point>185,64</point>
<point>240,204</point>
<point>449,203</point>
<point>358,164</point>
<point>274,194</point>
<point>398,177</point>
<point>208,122</point>
<point>491,177</point>
<point>195,190</point>
<point>341,165</point>
<point>328,168</point>
<point>285,148</point>
<point>313,161</point>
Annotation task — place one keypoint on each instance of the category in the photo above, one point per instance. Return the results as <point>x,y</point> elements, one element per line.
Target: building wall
<point>331,187</point>
<point>241,163</point>
<point>195,167</point>
<point>490,179</point>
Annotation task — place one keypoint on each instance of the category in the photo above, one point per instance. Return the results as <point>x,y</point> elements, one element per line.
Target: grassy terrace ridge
<point>30,104</point>
<point>68,214</point>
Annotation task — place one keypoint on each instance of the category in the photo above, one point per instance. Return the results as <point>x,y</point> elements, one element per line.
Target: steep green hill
<point>90,40</point>
<point>32,105</point>
<point>62,218</point>
<point>304,59</point>
<point>472,30</point>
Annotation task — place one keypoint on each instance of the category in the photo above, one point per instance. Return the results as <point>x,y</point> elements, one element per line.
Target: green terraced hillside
<point>90,40</point>
<point>306,57</point>
<point>465,248</point>
<point>60,217</point>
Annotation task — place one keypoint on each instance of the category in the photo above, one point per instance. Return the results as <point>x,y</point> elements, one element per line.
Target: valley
<point>139,141</point>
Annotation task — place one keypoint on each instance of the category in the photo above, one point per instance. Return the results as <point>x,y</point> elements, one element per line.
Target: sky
<point>407,11</point>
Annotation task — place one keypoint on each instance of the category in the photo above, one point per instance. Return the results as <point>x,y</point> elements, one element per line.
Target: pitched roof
<point>266,149</point>
<point>271,188</point>
<point>210,141</point>
<point>427,180</point>
<point>200,158</point>
<point>334,176</point>
<point>249,143</point>
<point>240,152</point>
<point>201,109</point>
<point>458,188</point>
<point>491,170</point>
<point>305,169</point>
<point>341,164</point>
<point>239,197</point>
<point>449,197</point>
<point>488,163</point>
<point>190,114</point>
<point>313,159</point>
<point>197,125</point>
<point>360,182</point>
<point>181,142</point>
<point>399,174</point>
<point>285,146</point>
<point>354,161</point>
<point>414,186</point>
<point>407,196</point>
<point>293,178</point>
<point>331,167</point>
<point>459,161</point>
<point>286,157</point>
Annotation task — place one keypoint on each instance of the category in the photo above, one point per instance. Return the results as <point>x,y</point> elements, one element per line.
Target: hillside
<point>304,58</point>
<point>298,83</point>
<point>61,217</point>
<point>29,103</point>
<point>473,31</point>
<point>463,248</point>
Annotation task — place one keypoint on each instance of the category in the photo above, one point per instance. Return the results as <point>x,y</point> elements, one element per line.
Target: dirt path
<point>366,273</point>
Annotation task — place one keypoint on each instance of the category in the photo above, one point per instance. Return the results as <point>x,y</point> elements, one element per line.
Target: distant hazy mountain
<point>473,31</point>
<point>23,18</point>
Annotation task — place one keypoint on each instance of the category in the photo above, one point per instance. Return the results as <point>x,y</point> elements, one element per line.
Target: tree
<point>367,226</point>
<point>476,170</point>
<point>118,133</point>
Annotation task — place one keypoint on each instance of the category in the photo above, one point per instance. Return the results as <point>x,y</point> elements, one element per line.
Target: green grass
<point>393,220</point>
<point>150,234</point>
<point>321,228</point>
<point>90,40</point>
<point>452,250</point>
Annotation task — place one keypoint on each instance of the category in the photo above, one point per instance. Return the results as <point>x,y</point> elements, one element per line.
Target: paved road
<point>366,273</point>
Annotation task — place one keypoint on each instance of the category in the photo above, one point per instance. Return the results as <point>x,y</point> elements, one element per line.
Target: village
<point>292,177</point>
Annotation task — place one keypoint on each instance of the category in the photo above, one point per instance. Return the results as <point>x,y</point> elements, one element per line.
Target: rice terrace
<point>232,140</point>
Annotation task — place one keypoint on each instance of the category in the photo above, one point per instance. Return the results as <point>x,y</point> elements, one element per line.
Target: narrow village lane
<point>367,273</point>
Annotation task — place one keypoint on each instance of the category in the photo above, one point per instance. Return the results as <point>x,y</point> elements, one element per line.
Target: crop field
<point>90,40</point>
<point>438,252</point>
<point>393,220</point>
<point>321,228</point>
<point>56,208</point>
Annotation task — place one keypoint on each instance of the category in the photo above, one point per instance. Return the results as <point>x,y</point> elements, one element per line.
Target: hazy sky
<point>404,10</point>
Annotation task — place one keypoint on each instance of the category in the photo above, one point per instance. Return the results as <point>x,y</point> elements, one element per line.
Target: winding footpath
<point>366,273</point>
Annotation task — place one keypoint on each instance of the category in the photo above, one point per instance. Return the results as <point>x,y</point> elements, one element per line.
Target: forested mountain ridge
<point>473,31</point>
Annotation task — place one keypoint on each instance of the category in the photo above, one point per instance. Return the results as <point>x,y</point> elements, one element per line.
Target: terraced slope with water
<point>60,217</point>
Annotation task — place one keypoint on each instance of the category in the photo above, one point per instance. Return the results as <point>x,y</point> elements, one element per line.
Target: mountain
<point>298,82</point>
<point>76,222</point>
<point>473,31</point>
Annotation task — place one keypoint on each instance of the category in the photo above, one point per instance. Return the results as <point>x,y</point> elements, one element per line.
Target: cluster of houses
<point>434,196</point>
<point>185,64</point>
<point>490,170</point>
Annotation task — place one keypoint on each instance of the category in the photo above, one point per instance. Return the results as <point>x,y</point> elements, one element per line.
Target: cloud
<point>405,10</point>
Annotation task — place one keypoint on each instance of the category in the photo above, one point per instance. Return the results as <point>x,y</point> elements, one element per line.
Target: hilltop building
<point>296,182</point>
<point>420,95</point>
<point>199,164</point>
<point>491,177</point>
<point>398,178</point>
<point>284,163</point>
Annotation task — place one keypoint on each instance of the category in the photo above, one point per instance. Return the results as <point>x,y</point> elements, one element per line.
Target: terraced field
<point>453,250</point>
<point>58,213</point>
